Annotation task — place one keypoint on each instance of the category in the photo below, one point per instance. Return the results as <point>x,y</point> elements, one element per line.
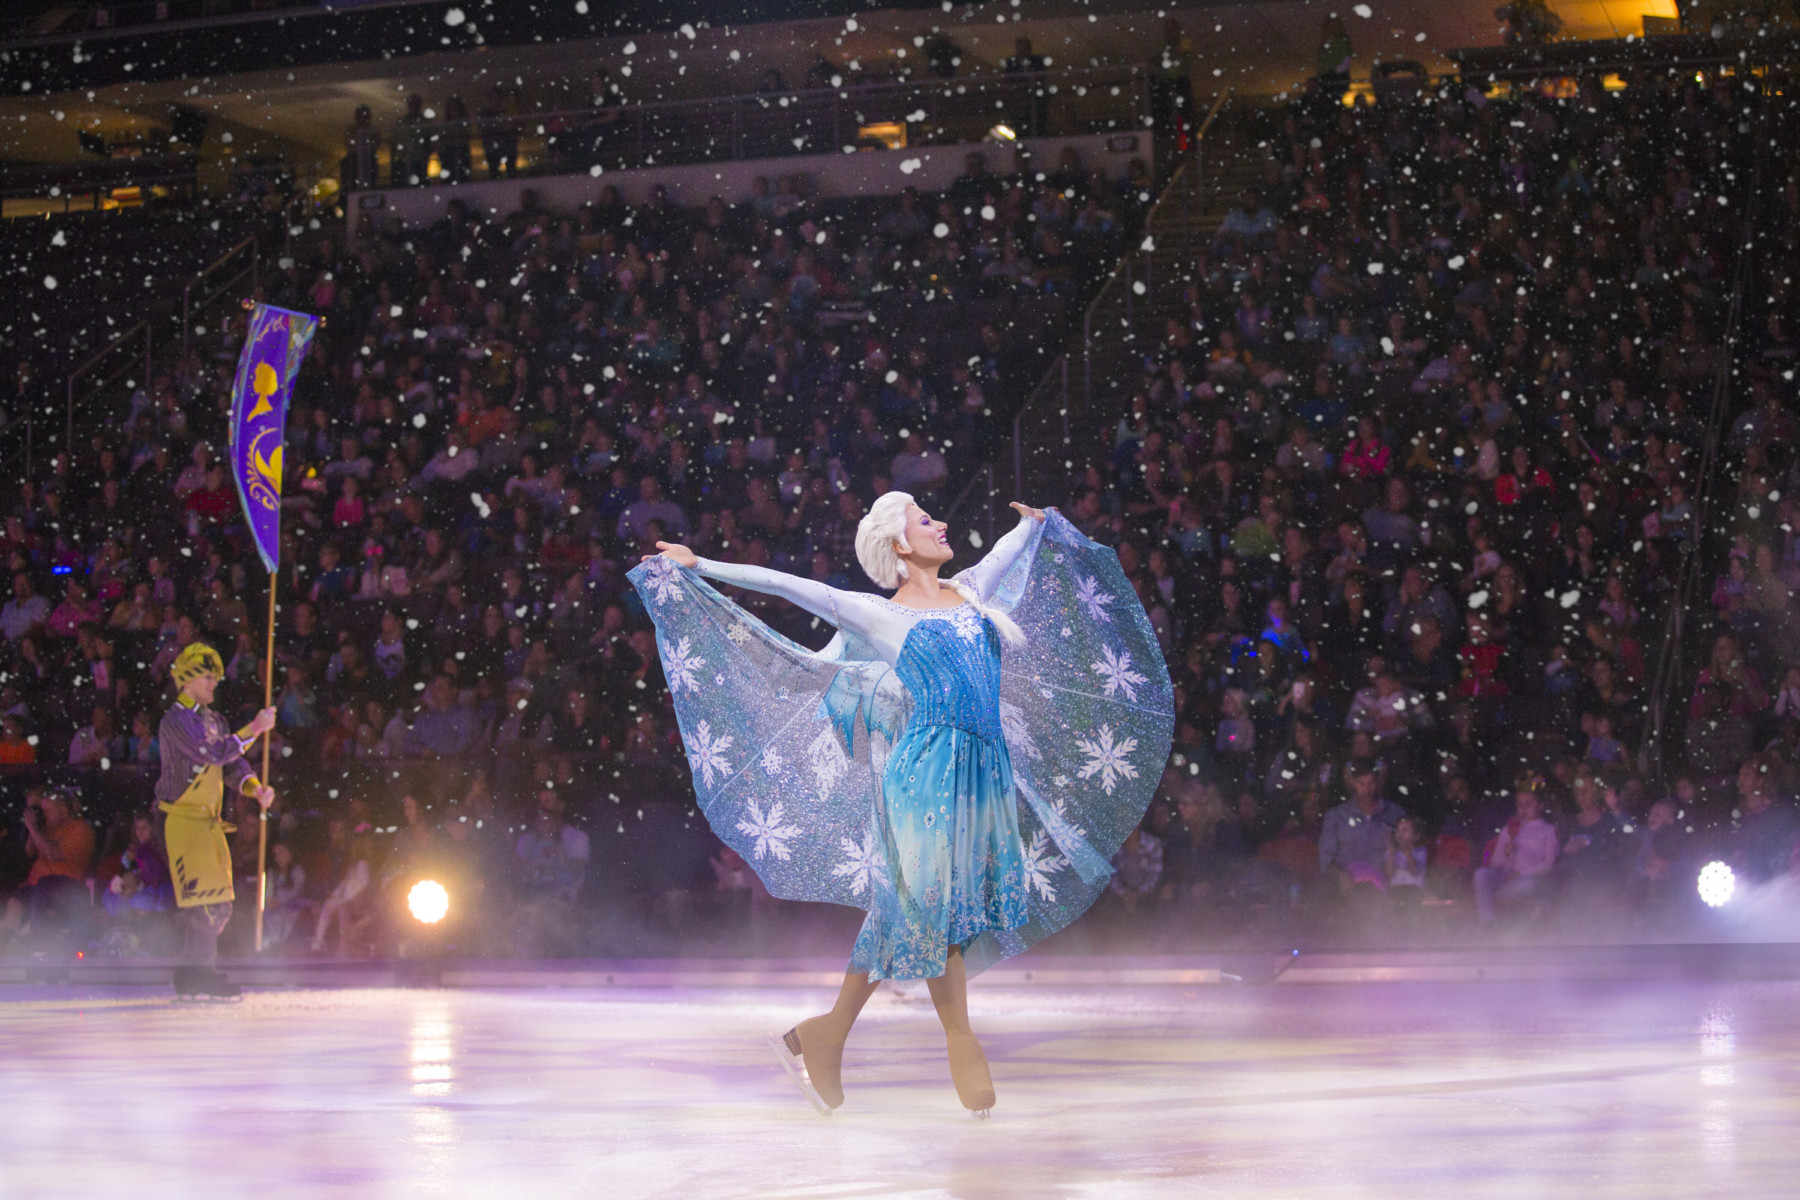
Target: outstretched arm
<point>985,575</point>
<point>853,612</point>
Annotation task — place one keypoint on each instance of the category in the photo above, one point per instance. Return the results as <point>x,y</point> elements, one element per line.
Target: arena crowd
<point>1405,491</point>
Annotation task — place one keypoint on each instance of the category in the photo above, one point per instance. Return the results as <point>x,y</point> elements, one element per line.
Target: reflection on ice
<point>431,1051</point>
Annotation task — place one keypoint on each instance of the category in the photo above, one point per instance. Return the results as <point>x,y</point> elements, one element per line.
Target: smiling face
<point>927,542</point>
<point>202,687</point>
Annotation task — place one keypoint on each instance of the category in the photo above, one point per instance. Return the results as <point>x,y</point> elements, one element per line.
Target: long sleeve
<point>187,733</point>
<point>985,575</point>
<point>853,612</point>
<point>191,740</point>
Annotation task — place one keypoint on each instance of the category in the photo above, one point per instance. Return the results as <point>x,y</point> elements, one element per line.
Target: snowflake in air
<point>664,578</point>
<point>1090,597</point>
<point>679,665</point>
<point>1106,758</point>
<point>771,835</point>
<point>707,753</point>
<point>864,865</point>
<point>1115,670</point>
<point>1041,862</point>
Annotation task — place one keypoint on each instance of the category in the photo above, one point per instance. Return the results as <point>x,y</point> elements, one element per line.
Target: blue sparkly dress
<point>961,792</point>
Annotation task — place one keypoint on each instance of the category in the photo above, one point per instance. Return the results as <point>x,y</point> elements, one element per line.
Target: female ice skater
<point>968,799</point>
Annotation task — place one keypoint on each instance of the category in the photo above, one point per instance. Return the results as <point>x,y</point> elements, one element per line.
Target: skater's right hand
<point>678,554</point>
<point>261,723</point>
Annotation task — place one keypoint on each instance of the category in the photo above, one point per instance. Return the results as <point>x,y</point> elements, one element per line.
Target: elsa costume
<point>960,796</point>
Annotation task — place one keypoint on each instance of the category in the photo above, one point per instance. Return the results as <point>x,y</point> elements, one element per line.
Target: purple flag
<point>273,349</point>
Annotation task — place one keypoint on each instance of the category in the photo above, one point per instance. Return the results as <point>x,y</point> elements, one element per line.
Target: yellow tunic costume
<point>200,755</point>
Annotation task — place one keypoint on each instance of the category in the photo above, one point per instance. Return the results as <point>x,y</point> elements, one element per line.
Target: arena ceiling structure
<point>285,82</point>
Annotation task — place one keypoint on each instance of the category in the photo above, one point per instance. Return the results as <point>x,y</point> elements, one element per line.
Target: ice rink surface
<point>1440,1091</point>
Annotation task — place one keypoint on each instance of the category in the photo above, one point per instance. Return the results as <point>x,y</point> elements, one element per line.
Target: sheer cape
<point>787,745</point>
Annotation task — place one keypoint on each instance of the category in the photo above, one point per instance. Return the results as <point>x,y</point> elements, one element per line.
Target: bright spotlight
<point>428,901</point>
<point>1717,883</point>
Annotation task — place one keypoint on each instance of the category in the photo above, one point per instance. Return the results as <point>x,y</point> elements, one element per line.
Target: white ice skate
<point>795,1066</point>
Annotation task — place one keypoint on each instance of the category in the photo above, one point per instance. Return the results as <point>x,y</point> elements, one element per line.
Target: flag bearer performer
<point>200,756</point>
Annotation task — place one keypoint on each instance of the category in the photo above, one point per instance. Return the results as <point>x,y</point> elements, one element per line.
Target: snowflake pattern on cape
<point>1041,862</point>
<point>707,753</point>
<point>771,835</point>
<point>679,665</point>
<point>1017,731</point>
<point>1114,668</point>
<point>864,865</point>
<point>1090,597</point>
<point>1106,758</point>
<point>1061,807</point>
<point>828,761</point>
<point>664,579</point>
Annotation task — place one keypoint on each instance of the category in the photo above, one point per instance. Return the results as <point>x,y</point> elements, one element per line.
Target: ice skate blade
<point>796,1070</point>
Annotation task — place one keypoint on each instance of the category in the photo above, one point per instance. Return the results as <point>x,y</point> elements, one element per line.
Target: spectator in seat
<point>1519,868</point>
<point>1355,836</point>
<point>25,612</point>
<point>651,505</point>
<point>287,899</point>
<point>347,905</point>
<point>455,462</point>
<point>16,750</point>
<point>1765,832</point>
<point>60,848</point>
<point>1387,709</point>
<point>97,743</point>
<point>1393,533</point>
<point>444,729</point>
<point>1137,869</point>
<point>919,468</point>
<point>553,854</point>
<point>76,610</point>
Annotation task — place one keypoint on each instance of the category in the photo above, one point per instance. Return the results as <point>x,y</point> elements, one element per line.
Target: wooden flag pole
<point>262,814</point>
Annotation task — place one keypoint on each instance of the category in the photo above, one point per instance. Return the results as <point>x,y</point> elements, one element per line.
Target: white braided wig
<point>881,536</point>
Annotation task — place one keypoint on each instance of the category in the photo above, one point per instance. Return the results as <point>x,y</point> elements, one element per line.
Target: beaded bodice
<point>950,664</point>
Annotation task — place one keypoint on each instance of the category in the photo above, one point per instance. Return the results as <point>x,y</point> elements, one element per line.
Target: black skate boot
<point>204,983</point>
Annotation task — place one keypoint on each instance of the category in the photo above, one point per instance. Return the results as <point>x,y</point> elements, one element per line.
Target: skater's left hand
<point>264,795</point>
<point>1025,510</point>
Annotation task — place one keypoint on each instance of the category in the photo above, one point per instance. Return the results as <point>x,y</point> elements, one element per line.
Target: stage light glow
<point>1717,883</point>
<point>428,901</point>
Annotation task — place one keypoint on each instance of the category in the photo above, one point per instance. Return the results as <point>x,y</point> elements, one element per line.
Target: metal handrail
<point>984,476</point>
<point>291,219</point>
<point>91,363</point>
<point>189,308</point>
<point>1667,673</point>
<point>1055,380</point>
<point>105,367</point>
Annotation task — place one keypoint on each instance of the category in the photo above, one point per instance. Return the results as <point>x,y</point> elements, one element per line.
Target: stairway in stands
<point>1126,321</point>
